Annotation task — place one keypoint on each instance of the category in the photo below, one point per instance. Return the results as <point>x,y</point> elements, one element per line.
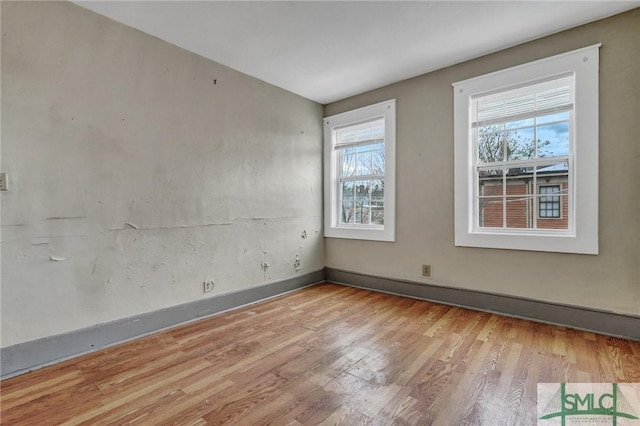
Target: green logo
<point>583,406</point>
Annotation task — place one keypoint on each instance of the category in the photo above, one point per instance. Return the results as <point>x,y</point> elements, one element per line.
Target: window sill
<point>371,233</point>
<point>556,242</point>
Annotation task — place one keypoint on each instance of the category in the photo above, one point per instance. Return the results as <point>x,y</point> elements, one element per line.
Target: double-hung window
<point>360,173</point>
<point>526,151</point>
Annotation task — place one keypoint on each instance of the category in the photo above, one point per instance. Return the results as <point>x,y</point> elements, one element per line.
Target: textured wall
<point>138,170</point>
<point>425,222</point>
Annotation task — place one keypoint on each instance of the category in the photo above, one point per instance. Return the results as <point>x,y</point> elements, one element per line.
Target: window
<point>549,205</point>
<point>360,173</point>
<point>526,152</point>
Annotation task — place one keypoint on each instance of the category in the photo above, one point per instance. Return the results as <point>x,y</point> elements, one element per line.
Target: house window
<point>360,173</point>
<point>520,137</point>
<point>526,151</point>
<point>549,204</point>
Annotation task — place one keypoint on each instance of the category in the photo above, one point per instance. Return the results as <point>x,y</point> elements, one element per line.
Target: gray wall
<point>134,178</point>
<point>425,222</point>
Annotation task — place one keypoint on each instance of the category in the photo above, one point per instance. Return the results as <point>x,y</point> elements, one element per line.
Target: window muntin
<point>360,173</point>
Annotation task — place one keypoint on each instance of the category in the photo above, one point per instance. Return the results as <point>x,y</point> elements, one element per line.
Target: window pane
<point>363,201</point>
<point>377,212</point>
<point>362,189</point>
<point>348,151</point>
<point>490,198</point>
<point>553,140</point>
<point>363,163</point>
<point>362,160</point>
<point>520,211</point>
<point>515,175</point>
<point>553,174</point>
<point>491,212</point>
<point>348,165</point>
<point>561,116</point>
<point>520,201</point>
<point>347,214</point>
<point>514,125</point>
<point>519,181</point>
<point>362,213</point>
<point>491,143</point>
<point>348,191</point>
<point>490,172</point>
<point>520,144</point>
<point>490,182</point>
<point>377,159</point>
<point>377,189</point>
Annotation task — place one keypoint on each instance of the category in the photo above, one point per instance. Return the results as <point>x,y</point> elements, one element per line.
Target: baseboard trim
<point>35,354</point>
<point>597,321</point>
<point>28,356</point>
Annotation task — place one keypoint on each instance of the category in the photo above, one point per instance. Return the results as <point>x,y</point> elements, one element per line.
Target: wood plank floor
<point>328,354</point>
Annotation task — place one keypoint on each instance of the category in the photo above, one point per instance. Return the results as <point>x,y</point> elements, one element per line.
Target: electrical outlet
<point>426,271</point>
<point>208,286</point>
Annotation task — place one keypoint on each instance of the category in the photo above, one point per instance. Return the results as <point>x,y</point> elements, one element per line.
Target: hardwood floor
<point>328,354</point>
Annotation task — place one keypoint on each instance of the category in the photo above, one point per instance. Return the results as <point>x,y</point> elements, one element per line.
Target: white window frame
<point>583,236</point>
<point>332,226</point>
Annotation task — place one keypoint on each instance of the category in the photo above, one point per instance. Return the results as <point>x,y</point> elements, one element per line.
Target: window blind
<point>533,100</point>
<point>366,133</point>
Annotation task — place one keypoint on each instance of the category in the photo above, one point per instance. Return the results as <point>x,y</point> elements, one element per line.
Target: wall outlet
<point>426,271</point>
<point>208,286</point>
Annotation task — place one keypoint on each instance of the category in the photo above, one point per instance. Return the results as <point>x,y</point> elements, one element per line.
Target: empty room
<point>320,212</point>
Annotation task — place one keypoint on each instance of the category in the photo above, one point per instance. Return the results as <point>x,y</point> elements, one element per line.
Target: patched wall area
<point>138,170</point>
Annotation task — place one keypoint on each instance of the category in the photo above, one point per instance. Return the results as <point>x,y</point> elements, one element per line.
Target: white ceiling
<point>330,50</point>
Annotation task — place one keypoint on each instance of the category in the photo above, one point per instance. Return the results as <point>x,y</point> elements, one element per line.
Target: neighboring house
<point>526,206</point>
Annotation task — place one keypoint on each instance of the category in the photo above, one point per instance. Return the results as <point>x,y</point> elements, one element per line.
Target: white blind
<point>542,98</point>
<point>366,133</point>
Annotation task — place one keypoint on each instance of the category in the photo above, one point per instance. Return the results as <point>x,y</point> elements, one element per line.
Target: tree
<point>362,198</point>
<point>493,141</point>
